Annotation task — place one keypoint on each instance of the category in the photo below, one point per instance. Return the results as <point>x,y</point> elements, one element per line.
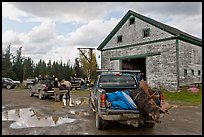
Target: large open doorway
<point>134,64</point>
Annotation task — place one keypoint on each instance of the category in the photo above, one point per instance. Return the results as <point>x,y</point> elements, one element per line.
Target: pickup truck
<point>75,83</point>
<point>44,88</point>
<point>108,82</point>
<point>28,83</point>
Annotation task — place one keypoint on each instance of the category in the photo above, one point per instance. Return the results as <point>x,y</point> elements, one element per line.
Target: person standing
<point>86,83</point>
<point>82,84</point>
<point>56,89</point>
<point>66,97</point>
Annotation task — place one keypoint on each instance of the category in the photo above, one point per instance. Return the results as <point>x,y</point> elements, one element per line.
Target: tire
<point>61,96</point>
<point>146,124</point>
<point>29,86</point>
<point>99,122</point>
<point>8,86</point>
<point>149,125</point>
<point>40,96</point>
<point>31,93</point>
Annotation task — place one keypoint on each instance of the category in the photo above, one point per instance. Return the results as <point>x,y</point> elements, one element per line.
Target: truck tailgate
<point>118,111</point>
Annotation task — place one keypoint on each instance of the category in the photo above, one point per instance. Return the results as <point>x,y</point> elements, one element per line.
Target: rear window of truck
<point>123,81</point>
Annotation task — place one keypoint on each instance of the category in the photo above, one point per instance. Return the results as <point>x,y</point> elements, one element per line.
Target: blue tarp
<point>120,100</point>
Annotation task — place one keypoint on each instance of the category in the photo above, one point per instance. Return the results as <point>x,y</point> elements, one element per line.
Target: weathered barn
<point>169,57</point>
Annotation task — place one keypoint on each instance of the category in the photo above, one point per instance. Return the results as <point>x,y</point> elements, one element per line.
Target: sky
<point>54,30</point>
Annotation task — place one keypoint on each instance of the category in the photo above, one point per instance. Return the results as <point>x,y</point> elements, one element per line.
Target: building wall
<point>190,58</point>
<point>160,69</point>
<point>133,34</point>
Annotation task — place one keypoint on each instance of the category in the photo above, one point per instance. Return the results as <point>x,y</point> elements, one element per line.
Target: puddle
<point>27,117</point>
<point>81,113</point>
<point>76,102</point>
<point>81,101</point>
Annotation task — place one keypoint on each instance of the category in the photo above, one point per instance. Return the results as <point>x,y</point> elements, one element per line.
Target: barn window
<point>131,20</point>
<point>146,32</point>
<point>192,72</point>
<point>119,39</point>
<point>185,72</point>
<point>198,72</point>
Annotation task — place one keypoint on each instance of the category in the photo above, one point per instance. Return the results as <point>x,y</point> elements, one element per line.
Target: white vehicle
<point>16,82</point>
<point>28,83</point>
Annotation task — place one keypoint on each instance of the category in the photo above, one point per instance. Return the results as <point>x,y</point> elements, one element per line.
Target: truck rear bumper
<point>51,92</point>
<point>119,115</point>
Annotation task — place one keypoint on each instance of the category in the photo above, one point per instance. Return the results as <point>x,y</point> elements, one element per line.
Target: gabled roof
<point>180,34</point>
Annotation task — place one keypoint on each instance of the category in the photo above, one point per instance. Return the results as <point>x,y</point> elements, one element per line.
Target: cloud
<point>43,41</point>
<point>90,35</point>
<point>11,12</point>
<point>43,33</point>
<point>10,37</point>
<point>171,9</point>
<point>63,11</point>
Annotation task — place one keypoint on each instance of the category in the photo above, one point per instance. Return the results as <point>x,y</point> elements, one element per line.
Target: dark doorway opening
<point>134,64</point>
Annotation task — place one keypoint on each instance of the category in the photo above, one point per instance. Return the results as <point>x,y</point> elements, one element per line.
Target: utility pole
<point>89,60</point>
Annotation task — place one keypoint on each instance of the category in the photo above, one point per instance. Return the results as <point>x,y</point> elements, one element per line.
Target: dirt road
<point>25,115</point>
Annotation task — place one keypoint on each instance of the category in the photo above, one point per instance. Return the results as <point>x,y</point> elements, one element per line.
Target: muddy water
<point>75,102</point>
<point>27,117</point>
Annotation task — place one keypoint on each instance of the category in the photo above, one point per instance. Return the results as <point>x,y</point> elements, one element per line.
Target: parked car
<point>112,86</point>
<point>16,82</point>
<point>75,83</point>
<point>7,83</point>
<point>28,83</point>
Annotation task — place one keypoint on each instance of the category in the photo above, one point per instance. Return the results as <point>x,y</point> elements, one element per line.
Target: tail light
<point>118,74</point>
<point>161,97</point>
<point>103,102</point>
<point>44,87</point>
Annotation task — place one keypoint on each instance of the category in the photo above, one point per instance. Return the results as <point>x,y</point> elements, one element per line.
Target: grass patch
<point>183,97</point>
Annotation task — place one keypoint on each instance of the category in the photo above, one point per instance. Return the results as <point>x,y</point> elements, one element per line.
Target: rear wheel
<point>40,94</point>
<point>29,86</point>
<point>149,125</point>
<point>99,122</point>
<point>146,124</point>
<point>61,96</point>
<point>8,86</point>
<point>31,93</point>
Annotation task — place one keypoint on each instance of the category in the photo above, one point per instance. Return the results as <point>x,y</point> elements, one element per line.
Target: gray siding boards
<point>190,57</point>
<point>165,55</point>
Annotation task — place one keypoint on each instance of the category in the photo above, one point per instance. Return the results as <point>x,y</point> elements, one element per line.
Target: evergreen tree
<point>18,65</point>
<point>28,67</point>
<point>49,68</point>
<point>7,70</point>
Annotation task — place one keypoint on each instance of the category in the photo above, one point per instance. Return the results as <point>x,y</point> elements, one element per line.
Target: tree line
<point>20,68</point>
